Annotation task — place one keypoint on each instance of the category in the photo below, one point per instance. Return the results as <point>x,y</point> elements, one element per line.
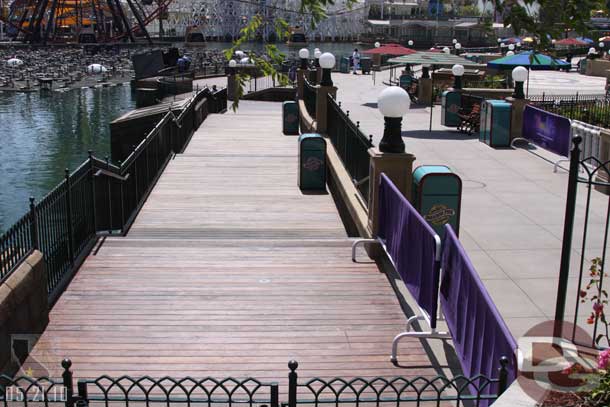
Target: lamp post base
<point>326,80</point>
<point>392,137</point>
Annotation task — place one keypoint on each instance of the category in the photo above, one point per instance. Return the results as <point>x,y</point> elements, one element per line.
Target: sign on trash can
<point>290,118</point>
<point>437,195</point>
<point>312,162</point>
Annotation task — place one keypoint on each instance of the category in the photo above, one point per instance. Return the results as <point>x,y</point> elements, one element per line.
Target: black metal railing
<point>591,109</point>
<point>167,391</point>
<point>310,94</point>
<point>312,76</point>
<point>351,144</point>
<point>395,391</point>
<point>256,84</point>
<point>99,197</point>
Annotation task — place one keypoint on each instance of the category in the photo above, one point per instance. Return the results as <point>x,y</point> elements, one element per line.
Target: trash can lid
<point>309,136</point>
<point>423,170</point>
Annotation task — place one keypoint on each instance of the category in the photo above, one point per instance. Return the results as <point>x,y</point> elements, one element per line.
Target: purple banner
<point>411,244</point>
<point>479,334</point>
<point>547,130</point>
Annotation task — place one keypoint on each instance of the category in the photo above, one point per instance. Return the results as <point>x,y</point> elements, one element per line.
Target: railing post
<point>566,247</point>
<point>69,215</point>
<point>67,382</point>
<point>34,224</point>
<point>503,375</point>
<point>83,393</point>
<point>322,95</point>
<point>93,205</point>
<point>275,395</point>
<point>292,383</point>
<point>109,196</point>
<point>122,202</point>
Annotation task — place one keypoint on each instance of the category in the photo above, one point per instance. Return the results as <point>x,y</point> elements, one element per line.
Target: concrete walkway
<point>513,204</point>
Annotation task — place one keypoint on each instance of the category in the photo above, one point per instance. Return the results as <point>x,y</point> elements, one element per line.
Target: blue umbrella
<point>585,39</point>
<point>530,60</point>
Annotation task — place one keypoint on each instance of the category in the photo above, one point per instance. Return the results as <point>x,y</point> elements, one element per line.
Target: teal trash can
<point>582,66</point>
<point>451,103</point>
<point>312,162</point>
<point>365,64</point>
<point>344,65</point>
<point>437,196</point>
<point>494,129</point>
<point>290,118</point>
<point>405,81</point>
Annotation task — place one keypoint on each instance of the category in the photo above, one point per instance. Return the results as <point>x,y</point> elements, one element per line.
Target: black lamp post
<point>519,76</point>
<point>327,62</point>
<point>393,103</point>
<point>304,55</point>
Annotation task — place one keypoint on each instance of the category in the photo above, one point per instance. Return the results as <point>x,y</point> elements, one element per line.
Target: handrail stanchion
<point>34,224</point>
<point>69,215</point>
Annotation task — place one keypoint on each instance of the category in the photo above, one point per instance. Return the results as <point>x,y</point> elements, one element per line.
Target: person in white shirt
<point>355,61</point>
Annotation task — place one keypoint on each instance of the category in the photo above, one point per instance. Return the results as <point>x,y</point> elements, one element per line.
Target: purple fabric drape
<point>411,244</point>
<point>479,333</point>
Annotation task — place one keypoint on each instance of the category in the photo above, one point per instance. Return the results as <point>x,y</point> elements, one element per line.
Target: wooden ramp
<point>229,270</point>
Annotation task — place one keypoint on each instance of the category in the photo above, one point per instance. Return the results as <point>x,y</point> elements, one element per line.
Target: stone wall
<point>24,307</point>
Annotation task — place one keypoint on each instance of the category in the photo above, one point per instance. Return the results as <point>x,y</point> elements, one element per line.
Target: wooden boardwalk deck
<point>229,270</point>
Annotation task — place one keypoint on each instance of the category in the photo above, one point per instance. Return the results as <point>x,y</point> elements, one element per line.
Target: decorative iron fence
<point>591,228</point>
<point>125,390</point>
<point>393,391</point>
<point>591,109</point>
<point>309,97</point>
<point>351,144</point>
<point>98,197</point>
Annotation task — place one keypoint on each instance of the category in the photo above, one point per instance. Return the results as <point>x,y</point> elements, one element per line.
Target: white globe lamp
<point>327,62</point>
<point>377,44</point>
<point>232,63</point>
<point>510,53</point>
<point>519,76</point>
<point>393,103</point>
<point>410,43</point>
<point>458,72</point>
<point>304,55</point>
<point>446,50</point>
<point>511,47</point>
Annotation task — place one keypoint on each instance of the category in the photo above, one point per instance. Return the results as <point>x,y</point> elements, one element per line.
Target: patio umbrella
<point>390,49</point>
<point>528,39</point>
<point>530,60</point>
<point>604,39</point>
<point>571,42</point>
<point>585,39</point>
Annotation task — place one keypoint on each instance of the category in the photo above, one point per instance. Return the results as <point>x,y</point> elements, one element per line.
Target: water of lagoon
<point>42,134</point>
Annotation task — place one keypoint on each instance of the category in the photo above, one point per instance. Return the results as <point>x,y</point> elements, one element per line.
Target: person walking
<point>355,61</point>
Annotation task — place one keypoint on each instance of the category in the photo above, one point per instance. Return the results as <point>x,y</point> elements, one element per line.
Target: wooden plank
<point>229,270</point>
